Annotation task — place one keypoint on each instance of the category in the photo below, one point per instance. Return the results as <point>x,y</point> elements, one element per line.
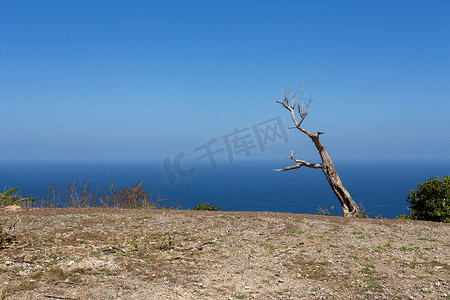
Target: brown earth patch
<point>100,253</point>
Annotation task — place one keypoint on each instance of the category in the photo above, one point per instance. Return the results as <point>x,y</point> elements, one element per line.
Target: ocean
<point>381,186</point>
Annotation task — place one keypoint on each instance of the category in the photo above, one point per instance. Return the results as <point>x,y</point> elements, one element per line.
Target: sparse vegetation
<point>134,196</point>
<point>368,269</point>
<point>362,212</point>
<point>85,252</point>
<point>207,206</point>
<point>160,242</point>
<point>5,233</point>
<point>83,194</point>
<point>324,211</point>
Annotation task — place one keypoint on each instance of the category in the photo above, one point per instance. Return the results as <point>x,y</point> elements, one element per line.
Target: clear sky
<point>150,79</point>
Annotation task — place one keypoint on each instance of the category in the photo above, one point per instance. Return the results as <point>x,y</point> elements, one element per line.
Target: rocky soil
<point>176,254</point>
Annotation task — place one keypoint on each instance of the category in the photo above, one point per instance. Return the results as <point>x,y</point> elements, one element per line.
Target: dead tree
<point>349,206</point>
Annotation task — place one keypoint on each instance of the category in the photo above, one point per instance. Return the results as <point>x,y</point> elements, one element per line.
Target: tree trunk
<point>349,207</point>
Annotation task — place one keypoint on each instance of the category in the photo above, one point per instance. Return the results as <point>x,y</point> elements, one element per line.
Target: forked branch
<point>302,108</point>
<point>299,164</point>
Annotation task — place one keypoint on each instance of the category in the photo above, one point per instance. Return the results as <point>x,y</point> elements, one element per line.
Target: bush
<point>7,198</point>
<point>431,201</point>
<point>207,206</point>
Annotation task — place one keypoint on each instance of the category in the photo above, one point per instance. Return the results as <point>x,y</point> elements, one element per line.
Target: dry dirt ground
<point>176,254</point>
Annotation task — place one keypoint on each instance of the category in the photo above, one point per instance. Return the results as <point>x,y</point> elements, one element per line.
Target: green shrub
<point>7,198</point>
<point>207,206</point>
<point>431,201</point>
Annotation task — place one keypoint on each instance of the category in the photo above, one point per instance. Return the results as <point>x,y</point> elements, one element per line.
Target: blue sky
<point>149,79</point>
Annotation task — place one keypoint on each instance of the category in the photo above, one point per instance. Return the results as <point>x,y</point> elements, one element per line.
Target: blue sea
<point>381,186</point>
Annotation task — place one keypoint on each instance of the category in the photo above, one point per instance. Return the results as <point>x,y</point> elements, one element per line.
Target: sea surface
<point>381,186</point>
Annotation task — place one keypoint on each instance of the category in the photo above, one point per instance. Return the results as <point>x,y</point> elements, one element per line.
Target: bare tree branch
<point>302,108</point>
<point>300,163</point>
<point>349,207</point>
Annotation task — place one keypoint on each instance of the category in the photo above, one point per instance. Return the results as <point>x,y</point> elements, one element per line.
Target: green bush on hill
<point>431,201</point>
